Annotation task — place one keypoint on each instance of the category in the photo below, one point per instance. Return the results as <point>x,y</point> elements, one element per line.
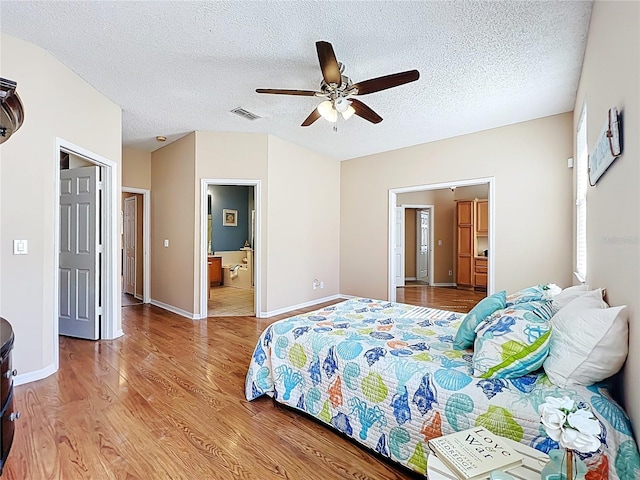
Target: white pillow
<point>589,341</point>
<point>563,298</point>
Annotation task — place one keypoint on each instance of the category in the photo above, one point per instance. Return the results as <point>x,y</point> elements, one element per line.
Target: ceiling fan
<point>338,90</point>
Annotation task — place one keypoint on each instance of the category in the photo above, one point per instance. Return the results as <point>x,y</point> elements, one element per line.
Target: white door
<point>79,253</point>
<point>130,229</point>
<point>399,247</point>
<point>422,262</point>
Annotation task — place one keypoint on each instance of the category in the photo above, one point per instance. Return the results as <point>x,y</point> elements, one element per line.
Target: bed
<point>387,376</point>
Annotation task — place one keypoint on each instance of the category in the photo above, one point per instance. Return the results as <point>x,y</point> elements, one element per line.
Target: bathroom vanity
<point>214,270</point>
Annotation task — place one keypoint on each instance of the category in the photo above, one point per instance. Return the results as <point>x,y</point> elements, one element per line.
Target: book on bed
<point>474,453</point>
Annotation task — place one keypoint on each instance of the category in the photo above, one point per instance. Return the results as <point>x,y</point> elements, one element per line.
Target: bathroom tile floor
<point>230,301</point>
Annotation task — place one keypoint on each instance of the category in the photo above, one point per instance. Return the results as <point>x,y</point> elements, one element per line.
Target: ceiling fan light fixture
<point>327,111</point>
<point>342,104</point>
<point>347,114</point>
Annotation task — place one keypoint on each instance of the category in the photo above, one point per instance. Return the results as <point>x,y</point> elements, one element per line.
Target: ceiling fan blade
<point>328,63</point>
<point>388,81</point>
<point>313,116</point>
<point>365,112</point>
<point>276,91</point>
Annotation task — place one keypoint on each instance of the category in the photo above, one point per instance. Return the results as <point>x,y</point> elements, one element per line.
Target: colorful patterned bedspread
<point>386,375</point>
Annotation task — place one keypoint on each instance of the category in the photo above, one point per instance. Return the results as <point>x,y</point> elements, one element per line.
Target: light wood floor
<point>166,401</point>
<point>444,298</point>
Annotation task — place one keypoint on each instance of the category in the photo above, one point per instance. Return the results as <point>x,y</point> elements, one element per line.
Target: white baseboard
<point>443,284</point>
<point>33,376</point>
<point>348,297</point>
<point>310,303</point>
<point>410,279</point>
<point>176,310</point>
<point>138,297</point>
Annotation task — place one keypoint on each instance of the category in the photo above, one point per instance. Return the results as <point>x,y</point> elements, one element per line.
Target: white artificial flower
<point>584,422</point>
<point>563,402</point>
<point>572,427</point>
<point>574,440</point>
<point>551,418</point>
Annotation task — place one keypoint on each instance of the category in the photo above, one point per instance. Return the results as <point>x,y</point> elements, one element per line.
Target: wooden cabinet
<point>480,272</point>
<point>465,243</point>
<point>7,416</point>
<point>215,270</point>
<point>472,226</point>
<point>482,218</point>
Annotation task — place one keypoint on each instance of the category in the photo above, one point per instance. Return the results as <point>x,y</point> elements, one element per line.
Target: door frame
<point>146,241</point>
<point>393,194</point>
<point>403,272</point>
<point>110,244</point>
<point>257,244</point>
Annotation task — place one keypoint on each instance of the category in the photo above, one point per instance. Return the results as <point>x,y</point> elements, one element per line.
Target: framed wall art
<point>229,218</point>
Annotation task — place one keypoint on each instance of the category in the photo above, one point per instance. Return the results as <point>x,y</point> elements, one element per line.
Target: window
<point>582,152</point>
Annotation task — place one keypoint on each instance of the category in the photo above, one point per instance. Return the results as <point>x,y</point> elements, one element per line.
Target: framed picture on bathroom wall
<point>229,218</point>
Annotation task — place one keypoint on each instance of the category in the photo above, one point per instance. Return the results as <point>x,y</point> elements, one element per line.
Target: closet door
<point>465,233</point>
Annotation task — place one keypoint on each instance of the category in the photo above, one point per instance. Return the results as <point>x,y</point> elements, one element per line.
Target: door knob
<point>14,416</point>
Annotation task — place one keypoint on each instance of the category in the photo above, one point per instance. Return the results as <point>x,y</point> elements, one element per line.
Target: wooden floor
<point>444,298</point>
<point>166,401</point>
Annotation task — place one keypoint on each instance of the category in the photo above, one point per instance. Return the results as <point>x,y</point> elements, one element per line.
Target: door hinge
<point>100,310</point>
<point>100,185</point>
<point>100,249</point>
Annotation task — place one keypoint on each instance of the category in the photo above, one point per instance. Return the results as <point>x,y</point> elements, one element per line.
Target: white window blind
<point>582,178</point>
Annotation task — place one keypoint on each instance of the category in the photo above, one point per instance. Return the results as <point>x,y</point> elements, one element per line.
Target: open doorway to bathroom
<point>230,249</point>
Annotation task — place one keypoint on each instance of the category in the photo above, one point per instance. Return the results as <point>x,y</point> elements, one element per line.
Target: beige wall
<point>610,77</point>
<point>528,160</point>
<point>304,225</point>
<point>241,156</point>
<point>300,215</point>
<point>57,103</point>
<point>172,218</point>
<point>136,168</point>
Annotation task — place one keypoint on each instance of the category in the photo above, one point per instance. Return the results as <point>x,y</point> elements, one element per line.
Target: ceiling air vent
<point>245,113</point>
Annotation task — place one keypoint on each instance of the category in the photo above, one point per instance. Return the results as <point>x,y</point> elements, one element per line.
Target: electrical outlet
<point>314,285</point>
<point>450,273</point>
<point>321,284</point>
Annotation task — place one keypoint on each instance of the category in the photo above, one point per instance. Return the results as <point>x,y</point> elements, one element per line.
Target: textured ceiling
<point>176,67</point>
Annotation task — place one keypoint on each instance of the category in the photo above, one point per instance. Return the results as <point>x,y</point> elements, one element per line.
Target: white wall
<point>533,201</point>
<point>610,77</point>
<point>57,103</point>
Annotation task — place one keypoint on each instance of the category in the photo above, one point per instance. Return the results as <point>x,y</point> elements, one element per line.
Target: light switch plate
<point>20,247</point>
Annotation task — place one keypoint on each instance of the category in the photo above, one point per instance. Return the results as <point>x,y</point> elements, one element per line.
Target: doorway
<point>441,273</point>
<point>415,251</point>
<point>423,245</point>
<point>106,216</point>
<point>135,263</point>
<point>230,249</point>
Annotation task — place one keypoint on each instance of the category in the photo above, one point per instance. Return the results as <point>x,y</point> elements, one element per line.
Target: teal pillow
<point>466,333</point>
